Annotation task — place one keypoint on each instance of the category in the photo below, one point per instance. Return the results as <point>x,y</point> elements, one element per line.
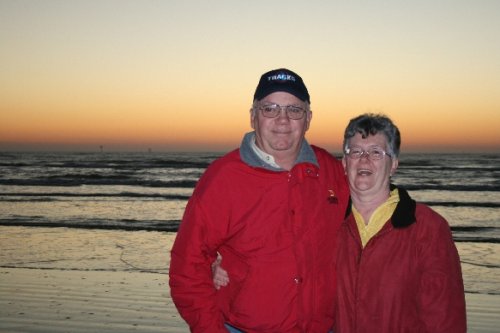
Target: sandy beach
<point>82,280</point>
<point>53,292</point>
<point>39,300</point>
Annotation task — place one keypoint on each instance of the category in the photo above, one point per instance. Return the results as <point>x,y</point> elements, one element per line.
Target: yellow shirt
<point>378,218</point>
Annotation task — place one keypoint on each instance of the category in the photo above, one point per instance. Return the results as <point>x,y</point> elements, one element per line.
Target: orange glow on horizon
<point>183,75</point>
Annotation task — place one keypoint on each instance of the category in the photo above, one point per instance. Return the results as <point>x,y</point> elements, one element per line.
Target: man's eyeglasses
<point>273,110</point>
<point>373,154</point>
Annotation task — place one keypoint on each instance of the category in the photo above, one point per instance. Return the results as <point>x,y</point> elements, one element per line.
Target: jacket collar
<point>248,155</point>
<point>404,214</point>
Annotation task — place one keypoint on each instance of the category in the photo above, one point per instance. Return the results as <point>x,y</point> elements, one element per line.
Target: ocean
<point>147,192</point>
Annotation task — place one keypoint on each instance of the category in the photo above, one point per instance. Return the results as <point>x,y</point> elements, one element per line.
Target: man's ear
<point>252,118</point>
<point>309,116</point>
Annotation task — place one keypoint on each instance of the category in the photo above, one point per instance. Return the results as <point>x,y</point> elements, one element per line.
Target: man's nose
<point>283,115</point>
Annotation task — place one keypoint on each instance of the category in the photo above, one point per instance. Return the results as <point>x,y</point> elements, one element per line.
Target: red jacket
<point>276,232</point>
<point>407,278</point>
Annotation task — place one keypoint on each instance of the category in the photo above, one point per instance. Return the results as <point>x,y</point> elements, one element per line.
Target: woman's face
<point>369,178</point>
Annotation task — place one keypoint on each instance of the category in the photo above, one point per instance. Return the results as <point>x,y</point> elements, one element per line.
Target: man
<point>272,209</point>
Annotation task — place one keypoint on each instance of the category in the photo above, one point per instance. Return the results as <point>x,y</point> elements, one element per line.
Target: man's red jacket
<point>276,232</point>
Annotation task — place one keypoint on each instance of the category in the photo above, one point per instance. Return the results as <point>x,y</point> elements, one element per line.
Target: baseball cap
<point>281,80</point>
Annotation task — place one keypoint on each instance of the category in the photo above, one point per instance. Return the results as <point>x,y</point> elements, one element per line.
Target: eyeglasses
<point>373,154</point>
<point>273,110</point>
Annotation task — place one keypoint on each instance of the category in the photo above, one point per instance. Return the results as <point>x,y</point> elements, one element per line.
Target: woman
<point>398,268</point>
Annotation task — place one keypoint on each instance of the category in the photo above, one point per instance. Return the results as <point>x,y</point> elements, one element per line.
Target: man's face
<point>280,135</point>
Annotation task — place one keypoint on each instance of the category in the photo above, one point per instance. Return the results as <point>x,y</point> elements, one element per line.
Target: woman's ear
<point>394,166</point>
<point>344,164</point>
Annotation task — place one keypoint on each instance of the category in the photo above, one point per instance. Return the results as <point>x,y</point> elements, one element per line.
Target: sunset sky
<point>180,75</point>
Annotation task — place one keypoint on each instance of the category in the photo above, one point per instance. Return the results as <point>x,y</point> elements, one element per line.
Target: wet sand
<point>38,300</point>
<point>44,296</point>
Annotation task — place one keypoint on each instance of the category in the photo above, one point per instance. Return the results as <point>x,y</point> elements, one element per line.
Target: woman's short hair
<point>370,124</point>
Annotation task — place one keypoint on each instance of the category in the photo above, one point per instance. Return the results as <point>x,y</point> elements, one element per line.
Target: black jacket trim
<point>404,214</point>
